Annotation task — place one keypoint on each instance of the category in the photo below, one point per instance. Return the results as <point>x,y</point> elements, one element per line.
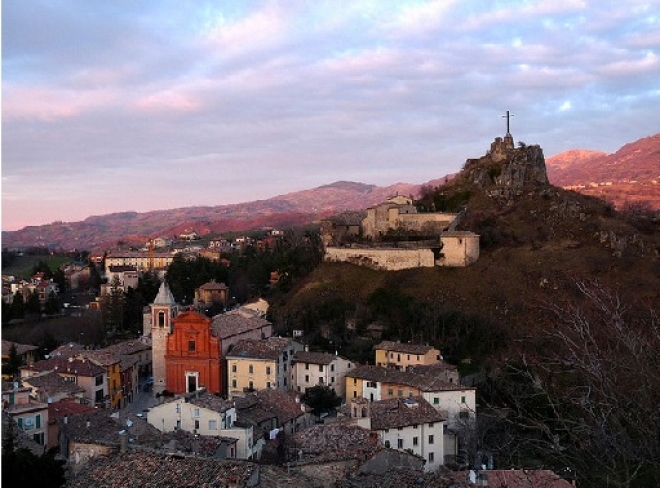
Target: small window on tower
<point>191,346</point>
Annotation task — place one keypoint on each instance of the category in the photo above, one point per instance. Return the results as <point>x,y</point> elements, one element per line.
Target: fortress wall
<point>386,259</point>
<point>459,250</point>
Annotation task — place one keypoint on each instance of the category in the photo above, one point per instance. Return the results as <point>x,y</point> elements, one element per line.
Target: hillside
<point>555,324</point>
<point>293,209</point>
<point>630,175</point>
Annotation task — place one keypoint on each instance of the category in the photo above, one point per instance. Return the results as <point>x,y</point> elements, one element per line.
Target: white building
<point>204,414</point>
<point>407,424</point>
<point>318,368</point>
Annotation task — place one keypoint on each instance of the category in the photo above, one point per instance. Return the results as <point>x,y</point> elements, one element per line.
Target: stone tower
<point>159,320</point>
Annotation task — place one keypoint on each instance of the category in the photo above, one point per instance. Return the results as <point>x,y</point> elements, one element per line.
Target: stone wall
<point>459,248</point>
<point>389,259</point>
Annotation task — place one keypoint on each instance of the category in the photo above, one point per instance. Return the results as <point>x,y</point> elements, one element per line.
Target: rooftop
<point>336,441</point>
<point>314,357</point>
<point>422,379</point>
<point>269,348</point>
<point>397,412</point>
<point>20,348</point>
<point>63,365</point>
<point>52,384</point>
<point>404,347</point>
<point>149,470</point>
<point>237,322</point>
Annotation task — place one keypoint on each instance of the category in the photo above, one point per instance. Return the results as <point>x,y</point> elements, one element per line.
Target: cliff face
<point>507,168</point>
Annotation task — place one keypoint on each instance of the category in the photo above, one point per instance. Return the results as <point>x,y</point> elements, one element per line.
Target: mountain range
<point>630,175</point>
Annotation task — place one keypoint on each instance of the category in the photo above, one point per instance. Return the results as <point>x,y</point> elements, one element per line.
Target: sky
<point>135,106</point>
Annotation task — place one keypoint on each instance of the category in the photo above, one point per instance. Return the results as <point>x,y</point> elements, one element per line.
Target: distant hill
<point>293,209</point>
<point>630,175</point>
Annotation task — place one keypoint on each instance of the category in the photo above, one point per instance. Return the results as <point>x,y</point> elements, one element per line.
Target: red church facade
<point>193,358</point>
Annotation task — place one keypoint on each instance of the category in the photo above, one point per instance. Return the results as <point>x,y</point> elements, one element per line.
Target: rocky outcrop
<point>506,170</point>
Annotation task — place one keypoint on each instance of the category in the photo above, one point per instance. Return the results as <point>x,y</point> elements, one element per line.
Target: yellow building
<point>254,365</point>
<point>111,364</point>
<point>402,355</point>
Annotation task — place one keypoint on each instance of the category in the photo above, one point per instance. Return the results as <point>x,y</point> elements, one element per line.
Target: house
<point>459,248</point>
<point>123,277</point>
<point>341,229</point>
<point>140,349</point>
<point>84,373</point>
<point>273,411</point>
<point>57,411</point>
<point>261,363</point>
<point>401,355</point>
<point>410,424</point>
<point>400,213</point>
<point>32,418</point>
<point>211,294</point>
<point>207,415</point>
<point>142,261</point>
<point>193,356</point>
<point>319,368</point>
<point>377,383</point>
<point>50,387</point>
<point>240,324</point>
<point>26,354</point>
<point>329,453</point>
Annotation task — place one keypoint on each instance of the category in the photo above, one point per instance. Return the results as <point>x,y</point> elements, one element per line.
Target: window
<point>233,368</point>
<point>409,357</point>
<point>462,399</point>
<point>387,443</point>
<point>332,379</point>
<point>284,366</point>
<point>399,443</point>
<point>306,365</point>
<point>431,457</point>
<point>415,441</point>
<point>355,381</point>
<point>196,413</point>
<point>191,346</point>
<point>99,396</point>
<point>390,392</point>
<point>178,425</point>
<point>233,383</point>
<point>414,426</point>
<point>178,408</point>
<point>213,425</point>
<point>267,384</point>
<point>306,378</point>
<point>98,380</point>
<point>196,424</point>
<point>267,369</point>
<point>321,368</point>
<point>251,369</point>
<point>436,401</point>
<point>400,393</point>
<point>332,367</point>
<point>464,414</point>
<point>161,319</point>
<point>431,439</point>
<point>251,386</point>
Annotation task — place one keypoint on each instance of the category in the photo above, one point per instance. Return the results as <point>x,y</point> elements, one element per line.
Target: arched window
<point>251,369</point>
<point>161,319</point>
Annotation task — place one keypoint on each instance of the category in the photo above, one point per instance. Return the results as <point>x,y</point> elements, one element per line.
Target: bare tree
<point>589,399</point>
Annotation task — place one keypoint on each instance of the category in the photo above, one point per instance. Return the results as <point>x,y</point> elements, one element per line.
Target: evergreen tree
<point>18,306</point>
<point>52,305</point>
<point>33,305</point>
<point>11,368</point>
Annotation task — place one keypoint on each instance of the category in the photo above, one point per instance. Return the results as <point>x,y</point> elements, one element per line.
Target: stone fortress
<point>428,239</point>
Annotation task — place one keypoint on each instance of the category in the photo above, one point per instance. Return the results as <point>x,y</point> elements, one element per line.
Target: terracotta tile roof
<point>20,348</point>
<point>68,407</point>
<point>212,285</point>
<point>128,347</point>
<point>267,404</point>
<point>404,478</point>
<point>334,442</point>
<point>81,367</point>
<point>237,322</point>
<point>51,384</point>
<point>314,357</point>
<point>422,381</point>
<point>397,412</point>
<point>269,348</point>
<point>149,470</point>
<point>403,347</point>
<point>212,402</point>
